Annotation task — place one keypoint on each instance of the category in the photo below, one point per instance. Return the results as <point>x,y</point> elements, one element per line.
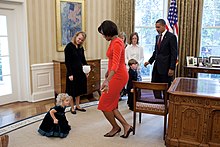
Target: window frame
<point>203,45</point>
<point>151,45</point>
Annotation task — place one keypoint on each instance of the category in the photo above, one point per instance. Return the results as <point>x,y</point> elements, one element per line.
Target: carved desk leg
<point>4,140</point>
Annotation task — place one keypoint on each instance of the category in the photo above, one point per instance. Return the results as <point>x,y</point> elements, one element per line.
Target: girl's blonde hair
<point>122,34</point>
<point>61,97</point>
<point>77,34</point>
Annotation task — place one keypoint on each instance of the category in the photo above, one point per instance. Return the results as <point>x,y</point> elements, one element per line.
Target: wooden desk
<point>194,113</point>
<point>191,71</point>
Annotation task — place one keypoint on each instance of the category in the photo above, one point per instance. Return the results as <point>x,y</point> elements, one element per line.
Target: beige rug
<point>88,130</point>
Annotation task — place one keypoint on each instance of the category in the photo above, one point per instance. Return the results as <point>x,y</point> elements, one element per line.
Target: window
<point>3,42</point>
<point>210,43</point>
<point>147,12</point>
<point>5,77</point>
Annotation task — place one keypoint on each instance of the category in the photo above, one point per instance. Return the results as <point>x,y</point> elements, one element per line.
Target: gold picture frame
<point>70,18</point>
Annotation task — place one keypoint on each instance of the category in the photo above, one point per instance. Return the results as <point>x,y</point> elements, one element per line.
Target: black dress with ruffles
<point>49,129</point>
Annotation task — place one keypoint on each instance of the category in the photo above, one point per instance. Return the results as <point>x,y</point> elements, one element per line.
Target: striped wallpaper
<point>42,29</point>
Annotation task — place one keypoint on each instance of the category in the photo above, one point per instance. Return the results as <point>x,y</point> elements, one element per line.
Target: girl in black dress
<point>55,123</point>
<point>76,79</point>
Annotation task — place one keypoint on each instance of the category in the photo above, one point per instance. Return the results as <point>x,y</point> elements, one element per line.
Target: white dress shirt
<point>134,52</point>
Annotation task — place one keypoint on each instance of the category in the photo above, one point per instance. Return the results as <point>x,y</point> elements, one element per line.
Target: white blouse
<point>134,52</point>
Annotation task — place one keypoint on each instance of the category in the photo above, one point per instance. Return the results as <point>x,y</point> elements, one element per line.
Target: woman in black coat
<point>76,79</point>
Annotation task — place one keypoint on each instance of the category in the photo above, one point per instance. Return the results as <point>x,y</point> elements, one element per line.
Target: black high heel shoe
<point>127,134</point>
<point>109,135</point>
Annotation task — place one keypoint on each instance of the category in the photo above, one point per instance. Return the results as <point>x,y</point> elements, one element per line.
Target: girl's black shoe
<point>81,109</point>
<point>73,112</point>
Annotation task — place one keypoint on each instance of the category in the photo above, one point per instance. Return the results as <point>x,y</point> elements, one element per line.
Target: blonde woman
<point>76,79</point>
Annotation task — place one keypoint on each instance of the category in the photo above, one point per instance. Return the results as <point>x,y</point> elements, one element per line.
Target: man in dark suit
<point>164,56</point>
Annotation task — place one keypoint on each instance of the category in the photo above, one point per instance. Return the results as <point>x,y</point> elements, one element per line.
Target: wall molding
<point>42,81</point>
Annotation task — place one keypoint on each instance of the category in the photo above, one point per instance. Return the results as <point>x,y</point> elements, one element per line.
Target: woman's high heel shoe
<point>111,135</point>
<point>127,134</point>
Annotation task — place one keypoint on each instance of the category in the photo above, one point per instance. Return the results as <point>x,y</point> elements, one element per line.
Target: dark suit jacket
<point>165,57</point>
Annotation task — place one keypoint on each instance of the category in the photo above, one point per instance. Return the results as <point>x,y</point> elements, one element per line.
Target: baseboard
<point>43,95</point>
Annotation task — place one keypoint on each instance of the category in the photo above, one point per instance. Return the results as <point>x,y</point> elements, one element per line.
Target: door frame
<point>23,86</point>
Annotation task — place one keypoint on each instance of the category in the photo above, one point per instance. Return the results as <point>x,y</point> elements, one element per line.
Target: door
<point>9,85</point>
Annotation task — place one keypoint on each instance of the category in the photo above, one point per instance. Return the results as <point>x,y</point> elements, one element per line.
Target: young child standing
<point>123,36</point>
<point>55,123</point>
<point>133,75</point>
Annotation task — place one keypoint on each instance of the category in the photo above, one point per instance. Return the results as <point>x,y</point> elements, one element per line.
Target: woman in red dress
<point>116,78</point>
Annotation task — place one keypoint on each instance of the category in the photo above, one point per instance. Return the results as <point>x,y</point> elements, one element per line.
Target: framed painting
<point>70,17</point>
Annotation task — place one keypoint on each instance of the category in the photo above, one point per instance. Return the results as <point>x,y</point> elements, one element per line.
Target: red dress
<point>116,55</point>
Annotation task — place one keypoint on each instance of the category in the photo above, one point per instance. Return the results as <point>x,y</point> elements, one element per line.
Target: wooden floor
<point>14,112</point>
